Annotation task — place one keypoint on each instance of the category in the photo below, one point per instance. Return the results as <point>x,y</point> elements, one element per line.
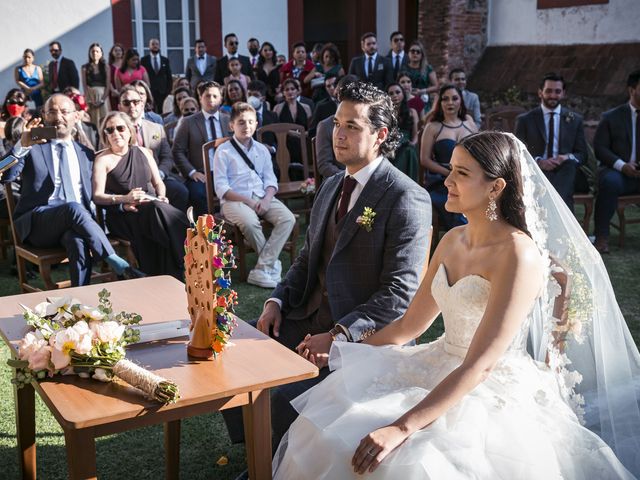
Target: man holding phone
<point>55,204</point>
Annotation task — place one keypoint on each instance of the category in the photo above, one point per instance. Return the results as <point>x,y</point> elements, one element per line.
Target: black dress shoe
<point>131,273</point>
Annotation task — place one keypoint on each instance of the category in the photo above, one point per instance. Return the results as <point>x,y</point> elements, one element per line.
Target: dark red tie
<point>54,76</point>
<point>347,188</point>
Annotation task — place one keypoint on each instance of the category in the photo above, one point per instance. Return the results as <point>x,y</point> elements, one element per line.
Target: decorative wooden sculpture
<point>207,255</point>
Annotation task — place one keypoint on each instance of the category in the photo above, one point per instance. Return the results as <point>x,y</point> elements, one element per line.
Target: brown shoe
<point>602,245</point>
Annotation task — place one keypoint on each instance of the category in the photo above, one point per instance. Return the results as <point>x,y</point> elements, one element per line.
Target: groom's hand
<point>315,348</point>
<point>271,317</point>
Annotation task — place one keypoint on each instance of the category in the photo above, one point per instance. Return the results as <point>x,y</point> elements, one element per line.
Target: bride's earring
<point>491,210</point>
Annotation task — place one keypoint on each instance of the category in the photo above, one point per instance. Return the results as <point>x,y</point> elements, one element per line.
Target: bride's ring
<point>370,452</point>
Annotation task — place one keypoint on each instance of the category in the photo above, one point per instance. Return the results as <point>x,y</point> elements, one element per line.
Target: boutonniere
<point>366,219</point>
<point>568,117</point>
<point>308,187</point>
<point>156,136</point>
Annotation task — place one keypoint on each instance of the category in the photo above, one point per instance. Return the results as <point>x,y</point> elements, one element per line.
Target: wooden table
<point>87,409</point>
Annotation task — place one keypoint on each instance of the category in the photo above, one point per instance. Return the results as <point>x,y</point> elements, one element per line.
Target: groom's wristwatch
<point>337,335</point>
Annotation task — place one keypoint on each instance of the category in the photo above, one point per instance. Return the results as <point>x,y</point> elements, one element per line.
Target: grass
<point>139,453</point>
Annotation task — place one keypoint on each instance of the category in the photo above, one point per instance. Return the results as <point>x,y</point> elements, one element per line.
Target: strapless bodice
<point>463,305</point>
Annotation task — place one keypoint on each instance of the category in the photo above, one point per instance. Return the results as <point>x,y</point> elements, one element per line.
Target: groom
<point>356,273</point>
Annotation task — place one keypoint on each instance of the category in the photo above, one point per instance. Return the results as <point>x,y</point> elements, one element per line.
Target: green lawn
<point>139,454</point>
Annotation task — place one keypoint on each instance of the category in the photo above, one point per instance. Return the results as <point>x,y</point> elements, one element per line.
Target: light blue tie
<point>65,173</point>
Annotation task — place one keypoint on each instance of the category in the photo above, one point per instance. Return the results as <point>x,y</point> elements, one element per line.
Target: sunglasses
<point>413,50</point>
<point>119,128</point>
<point>15,101</point>
<point>128,103</point>
<point>232,43</point>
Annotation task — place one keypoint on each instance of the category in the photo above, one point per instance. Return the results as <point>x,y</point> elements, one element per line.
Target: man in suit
<point>325,157</point>
<point>201,67</point>
<point>152,136</point>
<point>327,106</point>
<point>554,136</point>
<point>194,131</point>
<point>222,69</point>
<point>471,100</point>
<point>617,147</point>
<point>253,46</point>
<point>55,202</point>
<point>371,67</point>
<point>350,280</point>
<point>62,71</point>
<point>159,71</point>
<point>397,55</point>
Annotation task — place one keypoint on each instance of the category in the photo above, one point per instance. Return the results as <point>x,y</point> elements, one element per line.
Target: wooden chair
<point>586,200</point>
<point>5,237</point>
<point>43,258</point>
<point>503,118</point>
<point>625,201</point>
<point>234,233</point>
<point>314,161</point>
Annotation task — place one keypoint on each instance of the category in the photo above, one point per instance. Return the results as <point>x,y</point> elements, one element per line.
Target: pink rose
<point>41,359</point>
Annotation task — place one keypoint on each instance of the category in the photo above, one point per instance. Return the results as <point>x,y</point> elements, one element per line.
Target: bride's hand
<point>375,447</point>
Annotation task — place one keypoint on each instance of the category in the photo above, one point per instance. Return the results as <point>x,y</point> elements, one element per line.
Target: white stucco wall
<point>519,22</point>
<point>386,23</point>
<point>35,23</point>
<point>265,20</point>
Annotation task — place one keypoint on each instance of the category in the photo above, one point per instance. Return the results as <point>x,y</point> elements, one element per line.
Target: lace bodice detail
<point>463,305</point>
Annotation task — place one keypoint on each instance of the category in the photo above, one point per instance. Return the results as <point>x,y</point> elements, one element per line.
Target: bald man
<point>55,204</point>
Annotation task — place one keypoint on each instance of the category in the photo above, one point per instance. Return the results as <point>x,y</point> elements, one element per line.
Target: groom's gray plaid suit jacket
<point>372,276</point>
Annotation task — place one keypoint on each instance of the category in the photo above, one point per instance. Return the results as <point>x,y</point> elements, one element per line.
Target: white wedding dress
<point>514,425</point>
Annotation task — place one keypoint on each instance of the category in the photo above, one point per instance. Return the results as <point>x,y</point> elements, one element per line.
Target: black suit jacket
<point>67,74</point>
<point>222,69</point>
<point>161,82</point>
<point>37,173</point>
<point>403,63</point>
<point>613,138</point>
<point>382,70</point>
<point>324,109</point>
<point>531,130</point>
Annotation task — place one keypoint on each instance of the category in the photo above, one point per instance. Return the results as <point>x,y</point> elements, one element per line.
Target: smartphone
<point>148,196</point>
<point>7,163</point>
<point>43,133</point>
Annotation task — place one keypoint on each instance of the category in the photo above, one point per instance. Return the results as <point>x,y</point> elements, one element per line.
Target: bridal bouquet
<point>72,338</point>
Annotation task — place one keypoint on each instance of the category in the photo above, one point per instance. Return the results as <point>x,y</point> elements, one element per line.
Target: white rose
<point>107,332</point>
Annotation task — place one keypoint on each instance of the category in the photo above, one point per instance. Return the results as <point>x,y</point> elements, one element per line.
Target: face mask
<point>255,102</point>
<point>15,110</point>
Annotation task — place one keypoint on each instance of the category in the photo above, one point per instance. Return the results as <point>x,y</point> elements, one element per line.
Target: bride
<point>474,403</point>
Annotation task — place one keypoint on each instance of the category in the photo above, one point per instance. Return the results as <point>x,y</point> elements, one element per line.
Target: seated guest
<point>12,133</point>
<point>299,67</point>
<point>268,71</point>
<point>180,82</point>
<point>130,70</point>
<point>126,178</point>
<point>86,133</point>
<point>618,132</point>
<point>235,73</point>
<point>328,106</point>
<point>188,106</point>
<point>256,98</point>
<point>179,94</point>
<point>329,65</point>
<point>149,104</point>
<point>55,203</point>
<point>325,157</point>
<point>193,132</point>
<point>447,124</point>
<point>152,136</point>
<point>293,111</point>
<point>406,158</point>
<point>414,101</point>
<point>554,136</point>
<point>246,185</point>
<point>14,104</point>
<point>233,92</point>
<point>471,100</point>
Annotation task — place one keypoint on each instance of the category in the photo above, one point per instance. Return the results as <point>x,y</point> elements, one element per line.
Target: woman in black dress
<point>126,181</point>
<point>268,71</point>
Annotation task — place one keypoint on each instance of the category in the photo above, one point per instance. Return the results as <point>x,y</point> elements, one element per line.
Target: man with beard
<point>55,203</point>
<point>253,45</point>
<point>554,136</point>
<point>159,71</point>
<point>371,67</point>
<point>62,71</point>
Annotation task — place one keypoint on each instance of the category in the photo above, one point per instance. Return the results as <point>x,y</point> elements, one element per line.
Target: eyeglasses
<point>398,39</point>
<point>64,113</point>
<point>414,50</point>
<point>119,128</point>
<point>15,101</point>
<point>128,103</point>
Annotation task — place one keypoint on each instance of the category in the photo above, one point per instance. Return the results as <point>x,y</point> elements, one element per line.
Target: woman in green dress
<point>423,76</point>
<point>406,159</point>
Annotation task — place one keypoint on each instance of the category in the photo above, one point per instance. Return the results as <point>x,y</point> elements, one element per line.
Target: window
<point>174,22</point>
<point>543,4</point>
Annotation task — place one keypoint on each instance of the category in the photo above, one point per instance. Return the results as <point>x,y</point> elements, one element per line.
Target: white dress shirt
<point>57,197</point>
<point>546,114</point>
<point>201,65</point>
<point>393,59</point>
<point>230,171</point>
<point>373,63</point>
<point>362,176</point>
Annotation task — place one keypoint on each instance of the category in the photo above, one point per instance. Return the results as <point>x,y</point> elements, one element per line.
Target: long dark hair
<point>10,94</point>
<point>129,54</point>
<point>102,64</point>
<point>405,120</point>
<point>498,155</point>
<point>437,114</point>
<point>112,58</point>
<point>261,59</point>
<point>227,100</point>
